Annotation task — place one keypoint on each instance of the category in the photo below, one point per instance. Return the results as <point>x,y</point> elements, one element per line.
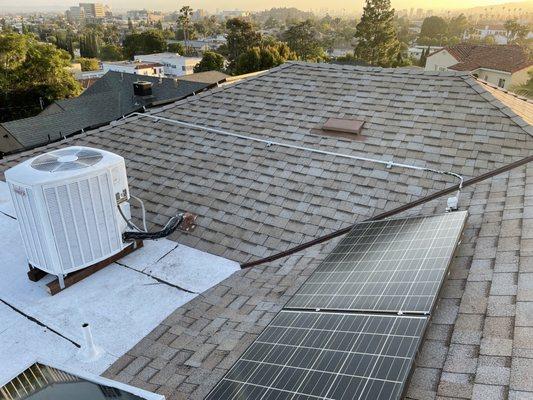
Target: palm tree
<point>525,89</point>
<point>184,19</point>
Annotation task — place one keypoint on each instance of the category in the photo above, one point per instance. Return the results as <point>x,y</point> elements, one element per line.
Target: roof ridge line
<point>215,90</point>
<point>493,86</point>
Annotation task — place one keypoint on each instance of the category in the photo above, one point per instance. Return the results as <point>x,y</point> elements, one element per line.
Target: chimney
<point>142,88</point>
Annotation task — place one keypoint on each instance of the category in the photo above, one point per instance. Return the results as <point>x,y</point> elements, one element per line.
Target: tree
<point>130,25</point>
<point>184,20</point>
<point>376,34</point>
<point>515,32</point>
<point>424,57</point>
<point>176,48</point>
<point>527,88</point>
<point>210,61</point>
<point>147,42</point>
<point>111,52</point>
<point>89,64</point>
<point>264,57</point>
<point>304,39</point>
<point>31,70</point>
<point>241,36</point>
<point>89,45</point>
<point>434,29</point>
<point>457,26</point>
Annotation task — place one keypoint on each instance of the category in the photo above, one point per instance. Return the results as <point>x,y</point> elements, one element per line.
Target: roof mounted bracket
<point>452,204</point>
<point>390,165</point>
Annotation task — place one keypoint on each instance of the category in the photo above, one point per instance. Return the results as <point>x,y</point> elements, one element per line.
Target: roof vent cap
<point>142,88</point>
<point>344,125</point>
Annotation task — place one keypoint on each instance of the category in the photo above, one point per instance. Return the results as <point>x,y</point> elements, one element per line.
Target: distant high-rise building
<point>93,10</point>
<point>75,14</point>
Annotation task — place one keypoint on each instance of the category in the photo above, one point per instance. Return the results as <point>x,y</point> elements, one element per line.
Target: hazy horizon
<point>246,5</point>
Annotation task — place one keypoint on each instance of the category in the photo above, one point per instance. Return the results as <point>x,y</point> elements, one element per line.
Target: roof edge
<point>480,85</point>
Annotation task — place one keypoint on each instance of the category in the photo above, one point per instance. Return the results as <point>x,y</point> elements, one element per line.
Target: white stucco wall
<point>440,61</point>
<point>494,77</point>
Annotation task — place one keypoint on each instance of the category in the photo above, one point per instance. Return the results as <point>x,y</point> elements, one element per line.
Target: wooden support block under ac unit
<point>74,277</point>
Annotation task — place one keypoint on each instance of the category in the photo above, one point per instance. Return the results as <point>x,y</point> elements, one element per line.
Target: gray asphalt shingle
<point>254,200</point>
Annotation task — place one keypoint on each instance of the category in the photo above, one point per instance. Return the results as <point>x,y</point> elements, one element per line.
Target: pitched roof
<point>109,98</point>
<point>253,199</point>
<point>508,58</point>
<point>206,77</point>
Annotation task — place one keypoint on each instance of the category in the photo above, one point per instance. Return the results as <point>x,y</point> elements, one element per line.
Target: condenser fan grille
<point>66,160</point>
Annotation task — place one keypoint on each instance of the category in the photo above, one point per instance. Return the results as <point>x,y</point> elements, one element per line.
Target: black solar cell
<point>325,355</point>
<point>386,266</point>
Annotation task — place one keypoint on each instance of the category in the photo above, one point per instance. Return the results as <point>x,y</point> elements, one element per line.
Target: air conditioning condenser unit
<point>66,202</point>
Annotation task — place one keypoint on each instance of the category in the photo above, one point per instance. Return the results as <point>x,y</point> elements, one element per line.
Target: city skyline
<point>250,5</point>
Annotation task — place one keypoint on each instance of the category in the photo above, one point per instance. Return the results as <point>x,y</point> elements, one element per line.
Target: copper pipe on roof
<point>390,213</point>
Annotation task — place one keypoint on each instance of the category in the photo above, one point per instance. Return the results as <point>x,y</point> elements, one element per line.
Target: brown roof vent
<point>344,125</point>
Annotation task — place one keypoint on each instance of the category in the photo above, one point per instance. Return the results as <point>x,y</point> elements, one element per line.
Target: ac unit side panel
<point>84,221</point>
<point>31,226</point>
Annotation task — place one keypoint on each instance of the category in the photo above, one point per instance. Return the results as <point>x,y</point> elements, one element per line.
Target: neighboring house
<point>263,175</point>
<point>134,67</point>
<point>108,98</point>
<point>417,50</point>
<point>498,32</point>
<point>173,64</point>
<point>501,65</point>
<point>203,45</point>
<point>338,52</point>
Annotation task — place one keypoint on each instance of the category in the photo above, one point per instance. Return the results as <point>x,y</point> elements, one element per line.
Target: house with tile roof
<point>501,65</point>
<point>254,161</point>
<point>110,97</point>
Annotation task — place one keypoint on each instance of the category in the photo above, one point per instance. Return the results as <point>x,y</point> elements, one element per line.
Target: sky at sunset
<point>213,5</point>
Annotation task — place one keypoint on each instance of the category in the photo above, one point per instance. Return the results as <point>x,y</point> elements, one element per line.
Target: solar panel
<point>386,266</point>
<point>326,355</point>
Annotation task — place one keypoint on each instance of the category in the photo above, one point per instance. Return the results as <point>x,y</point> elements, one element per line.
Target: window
<point>501,82</point>
<point>183,67</point>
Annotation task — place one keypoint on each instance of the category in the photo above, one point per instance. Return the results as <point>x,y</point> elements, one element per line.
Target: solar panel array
<point>385,266</point>
<point>315,355</point>
<point>342,336</point>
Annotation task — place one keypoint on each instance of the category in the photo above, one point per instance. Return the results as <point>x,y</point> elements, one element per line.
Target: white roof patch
<point>122,303</point>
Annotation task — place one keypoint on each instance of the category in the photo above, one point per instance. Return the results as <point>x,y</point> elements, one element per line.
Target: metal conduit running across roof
<point>388,164</point>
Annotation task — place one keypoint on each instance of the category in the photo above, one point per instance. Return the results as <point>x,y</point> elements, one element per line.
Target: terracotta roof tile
<point>508,58</point>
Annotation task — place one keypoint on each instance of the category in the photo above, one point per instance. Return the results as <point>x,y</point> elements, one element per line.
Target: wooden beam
<point>70,279</point>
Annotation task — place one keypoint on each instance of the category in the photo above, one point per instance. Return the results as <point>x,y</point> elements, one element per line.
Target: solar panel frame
<point>298,348</point>
<point>369,282</point>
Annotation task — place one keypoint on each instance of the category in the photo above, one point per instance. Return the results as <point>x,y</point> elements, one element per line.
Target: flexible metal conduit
<point>388,164</point>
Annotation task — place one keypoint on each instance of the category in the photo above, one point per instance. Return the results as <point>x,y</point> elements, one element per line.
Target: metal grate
<point>66,160</point>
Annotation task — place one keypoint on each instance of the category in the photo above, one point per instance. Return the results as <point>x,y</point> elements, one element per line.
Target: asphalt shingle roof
<point>253,200</point>
<point>109,98</point>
